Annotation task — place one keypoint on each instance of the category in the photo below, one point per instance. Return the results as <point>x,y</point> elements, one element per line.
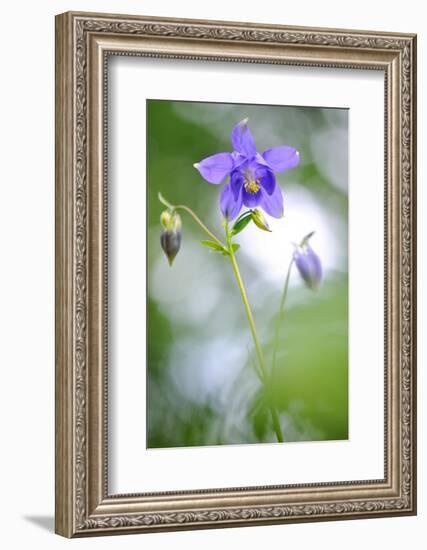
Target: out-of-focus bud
<point>259,220</point>
<point>165,218</point>
<point>308,264</point>
<point>170,237</point>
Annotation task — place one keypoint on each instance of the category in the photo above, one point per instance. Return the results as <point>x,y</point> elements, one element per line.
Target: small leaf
<point>214,246</point>
<point>234,246</point>
<point>243,214</point>
<point>241,224</point>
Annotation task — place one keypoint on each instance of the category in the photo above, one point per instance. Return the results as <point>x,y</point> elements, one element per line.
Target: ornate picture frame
<point>84,42</point>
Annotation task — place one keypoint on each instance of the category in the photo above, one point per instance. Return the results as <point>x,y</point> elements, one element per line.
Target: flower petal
<point>259,159</point>
<point>238,159</point>
<point>281,158</point>
<point>215,168</point>
<point>230,204</point>
<point>272,204</point>
<point>236,181</point>
<point>242,139</point>
<point>266,179</point>
<point>251,199</point>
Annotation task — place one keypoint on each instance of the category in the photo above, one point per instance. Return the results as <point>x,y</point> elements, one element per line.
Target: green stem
<point>199,221</point>
<point>280,316</point>
<point>259,352</point>
<point>255,366</point>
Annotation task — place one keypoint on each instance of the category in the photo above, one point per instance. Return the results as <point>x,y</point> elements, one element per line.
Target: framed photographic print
<point>235,274</point>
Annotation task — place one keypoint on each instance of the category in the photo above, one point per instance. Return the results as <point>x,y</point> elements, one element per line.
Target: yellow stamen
<point>252,186</point>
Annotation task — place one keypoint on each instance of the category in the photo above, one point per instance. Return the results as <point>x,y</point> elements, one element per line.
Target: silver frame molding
<point>83,43</point>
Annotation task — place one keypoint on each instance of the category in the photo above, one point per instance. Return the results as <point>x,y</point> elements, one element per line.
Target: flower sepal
<point>305,240</point>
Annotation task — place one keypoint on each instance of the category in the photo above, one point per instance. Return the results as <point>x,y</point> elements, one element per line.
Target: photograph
<point>247,274</point>
<point>235,272</point>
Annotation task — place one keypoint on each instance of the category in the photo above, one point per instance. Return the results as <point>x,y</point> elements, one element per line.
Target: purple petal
<point>267,180</point>
<point>281,158</point>
<point>215,168</point>
<point>236,181</point>
<point>242,139</point>
<point>238,159</point>
<point>273,204</point>
<point>230,204</point>
<point>259,159</point>
<point>252,199</point>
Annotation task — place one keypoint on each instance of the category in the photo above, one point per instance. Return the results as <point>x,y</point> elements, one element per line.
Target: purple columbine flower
<point>308,264</point>
<point>252,180</point>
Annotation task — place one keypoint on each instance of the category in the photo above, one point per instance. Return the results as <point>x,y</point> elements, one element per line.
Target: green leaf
<point>243,214</point>
<point>218,248</point>
<point>241,224</point>
<point>234,246</point>
<point>214,246</point>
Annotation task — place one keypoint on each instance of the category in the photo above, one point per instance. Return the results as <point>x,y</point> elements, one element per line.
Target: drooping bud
<point>308,264</point>
<point>165,218</point>
<point>259,220</point>
<point>170,237</point>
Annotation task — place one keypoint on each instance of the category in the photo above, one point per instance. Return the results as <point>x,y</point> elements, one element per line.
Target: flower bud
<point>259,220</point>
<point>165,218</point>
<point>170,237</point>
<point>308,264</point>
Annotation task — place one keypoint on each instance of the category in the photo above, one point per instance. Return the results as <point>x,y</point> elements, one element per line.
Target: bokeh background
<point>201,384</point>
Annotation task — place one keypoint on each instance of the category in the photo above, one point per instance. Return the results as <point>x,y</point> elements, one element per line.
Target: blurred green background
<point>202,389</point>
